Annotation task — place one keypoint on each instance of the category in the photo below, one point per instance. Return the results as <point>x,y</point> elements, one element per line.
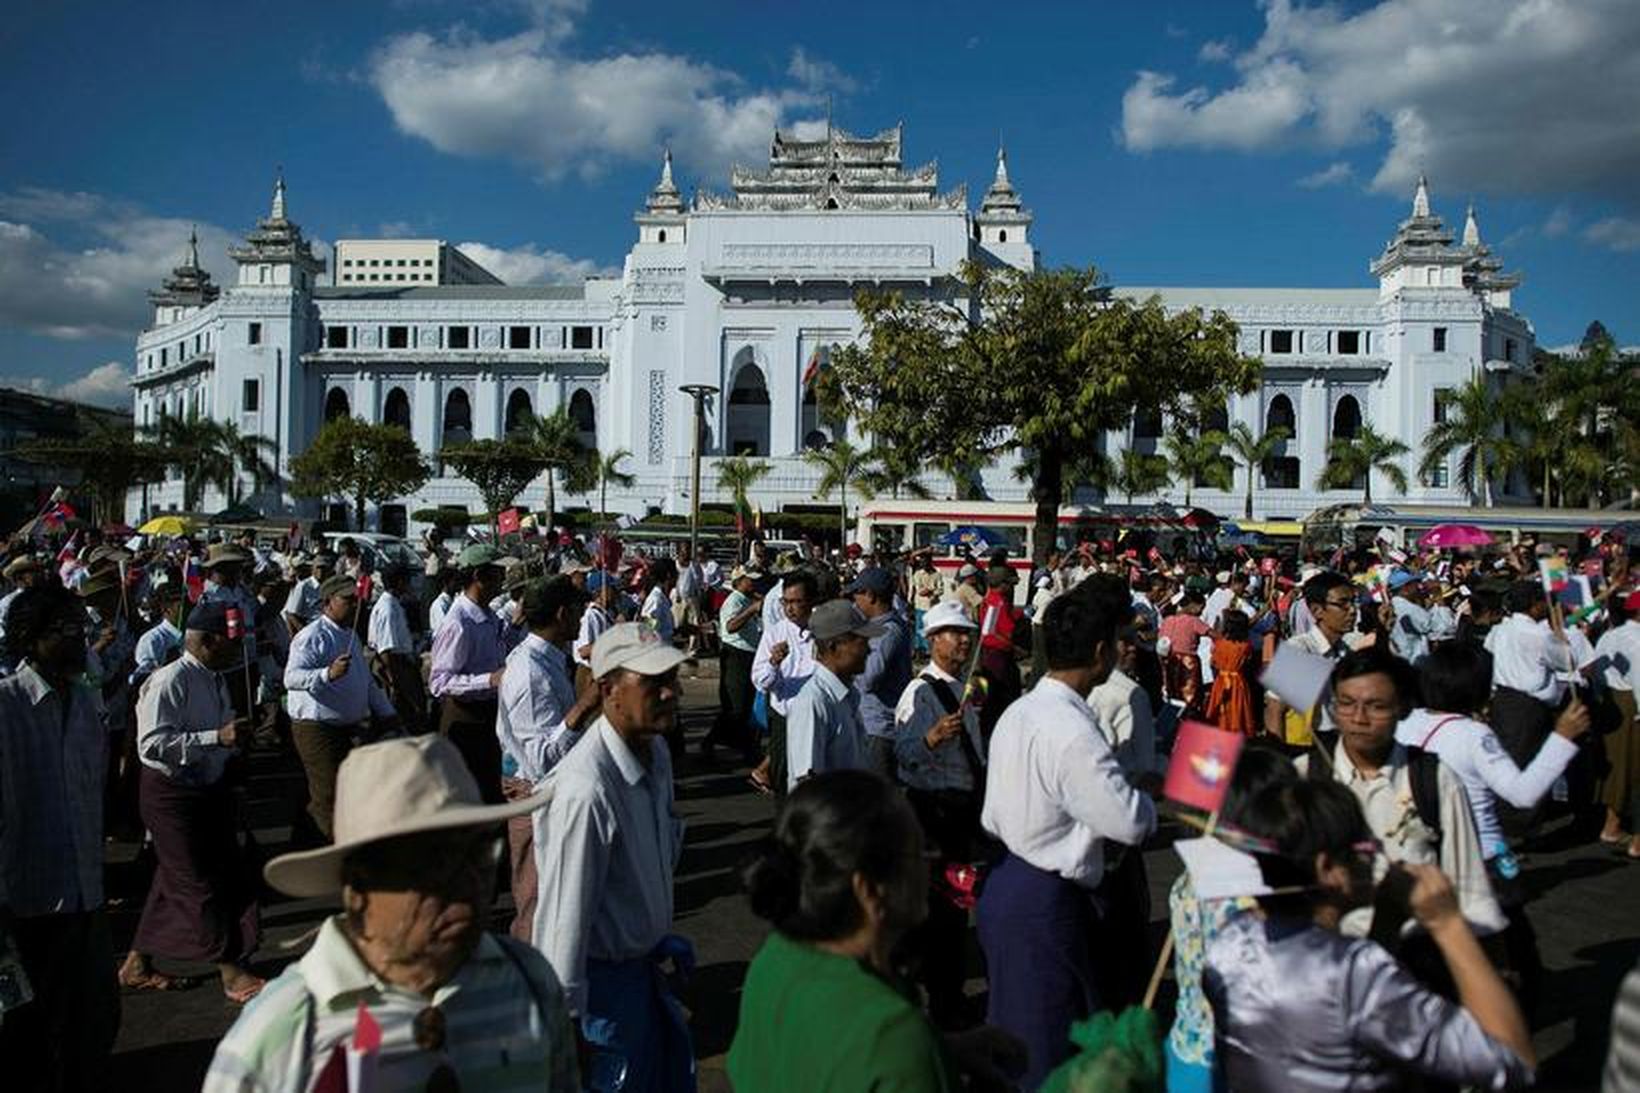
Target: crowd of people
<point>963,772</point>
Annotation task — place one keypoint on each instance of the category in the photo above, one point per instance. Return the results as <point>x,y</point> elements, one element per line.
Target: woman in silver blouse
<point>1297,1007</point>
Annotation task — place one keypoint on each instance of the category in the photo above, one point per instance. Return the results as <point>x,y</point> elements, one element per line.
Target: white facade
<point>741,291</point>
<point>399,262</point>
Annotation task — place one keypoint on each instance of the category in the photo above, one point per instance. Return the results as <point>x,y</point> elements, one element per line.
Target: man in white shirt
<point>1332,604</point>
<point>783,663</point>
<point>1528,659</point>
<point>331,696</point>
<point>1124,714</point>
<point>1054,796</point>
<point>1410,635</point>
<point>302,604</point>
<point>606,848</point>
<point>823,729</point>
<point>1617,657</point>
<point>398,663</point>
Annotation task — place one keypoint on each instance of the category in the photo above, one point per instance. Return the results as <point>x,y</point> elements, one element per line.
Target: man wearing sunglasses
<point>415,855</point>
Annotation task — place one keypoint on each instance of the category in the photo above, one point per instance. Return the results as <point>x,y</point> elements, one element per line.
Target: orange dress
<point>1230,702</point>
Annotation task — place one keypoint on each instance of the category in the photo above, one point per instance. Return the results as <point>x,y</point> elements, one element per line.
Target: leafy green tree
<point>841,465</point>
<point>1044,360</point>
<point>1474,428</point>
<point>1353,459</point>
<point>892,473</point>
<point>1197,459</point>
<point>1138,472</point>
<point>737,474</point>
<point>363,463</point>
<point>557,442</point>
<point>1251,451</point>
<point>501,469</point>
<point>110,463</point>
<point>609,471</point>
<point>1571,422</point>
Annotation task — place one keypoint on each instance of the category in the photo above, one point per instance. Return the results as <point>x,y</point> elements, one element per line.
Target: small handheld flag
<point>506,522</point>
<point>1552,571</point>
<point>1198,775</point>
<point>236,624</point>
<point>364,586</point>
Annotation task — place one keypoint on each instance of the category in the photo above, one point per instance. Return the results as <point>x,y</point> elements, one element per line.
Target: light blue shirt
<point>178,716</point>
<point>466,650</point>
<point>314,696</point>
<point>536,693</point>
<point>154,649</point>
<point>823,730</point>
<point>1410,635</point>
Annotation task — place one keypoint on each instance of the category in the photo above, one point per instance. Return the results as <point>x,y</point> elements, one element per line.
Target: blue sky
<point>1208,143</point>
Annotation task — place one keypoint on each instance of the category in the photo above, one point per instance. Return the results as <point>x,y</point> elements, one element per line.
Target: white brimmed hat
<point>407,786</point>
<point>947,615</point>
<point>634,647</point>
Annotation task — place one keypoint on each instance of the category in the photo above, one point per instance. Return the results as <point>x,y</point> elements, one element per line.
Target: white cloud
<point>531,265</point>
<point>1219,49</point>
<point>1614,233</point>
<point>1558,223</point>
<point>1334,174</point>
<point>817,75</point>
<point>97,286</point>
<point>105,385</point>
<point>528,99</point>
<point>1512,97</point>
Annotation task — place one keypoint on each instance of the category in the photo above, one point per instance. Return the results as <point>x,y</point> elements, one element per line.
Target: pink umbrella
<point>1446,536</point>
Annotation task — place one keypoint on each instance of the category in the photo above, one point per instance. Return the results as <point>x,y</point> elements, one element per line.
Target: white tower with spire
<point>662,218</point>
<point>1003,224</point>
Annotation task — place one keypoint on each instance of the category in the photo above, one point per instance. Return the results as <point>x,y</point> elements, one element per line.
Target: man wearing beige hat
<point>22,572</point>
<point>457,1006</point>
<point>605,851</point>
<point>224,571</point>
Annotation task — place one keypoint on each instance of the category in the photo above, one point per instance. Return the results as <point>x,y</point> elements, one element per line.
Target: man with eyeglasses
<point>1332,602</point>
<point>457,1006</point>
<point>52,763</point>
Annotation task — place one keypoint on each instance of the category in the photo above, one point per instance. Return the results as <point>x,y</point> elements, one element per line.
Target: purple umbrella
<point>1447,536</point>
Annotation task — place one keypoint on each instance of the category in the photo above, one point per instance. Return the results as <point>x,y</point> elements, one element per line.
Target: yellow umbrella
<point>167,525</point>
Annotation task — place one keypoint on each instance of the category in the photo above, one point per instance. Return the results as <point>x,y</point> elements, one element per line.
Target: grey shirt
<point>178,713</point>
<point>886,674</point>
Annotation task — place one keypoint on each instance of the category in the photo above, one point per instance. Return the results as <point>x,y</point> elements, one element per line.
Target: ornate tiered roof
<point>664,199</point>
<point>841,171</point>
<point>1001,204</point>
<point>1423,239</point>
<point>1484,270</point>
<point>277,238</point>
<point>189,285</point>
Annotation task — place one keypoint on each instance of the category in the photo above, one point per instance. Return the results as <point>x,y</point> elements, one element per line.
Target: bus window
<point>923,535</point>
<point>887,539</point>
<point>1012,536</point>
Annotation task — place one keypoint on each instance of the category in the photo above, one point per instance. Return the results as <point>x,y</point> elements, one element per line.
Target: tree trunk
<point>842,520</point>
<point>1046,490</point>
<point>358,511</point>
<point>1247,501</point>
<point>1486,480</point>
<point>1366,489</point>
<point>603,496</point>
<point>552,499</point>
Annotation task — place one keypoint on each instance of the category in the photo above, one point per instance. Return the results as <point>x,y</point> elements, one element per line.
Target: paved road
<point>1586,917</point>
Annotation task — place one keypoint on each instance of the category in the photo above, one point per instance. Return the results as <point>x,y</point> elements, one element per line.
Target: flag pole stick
<point>1167,942</point>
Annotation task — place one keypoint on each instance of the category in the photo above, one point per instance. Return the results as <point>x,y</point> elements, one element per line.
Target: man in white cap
<point>823,727</point>
<point>414,856</point>
<point>606,848</point>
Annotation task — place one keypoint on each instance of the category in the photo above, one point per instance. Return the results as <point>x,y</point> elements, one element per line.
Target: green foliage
<point>110,463</point>
<point>556,442</point>
<point>501,469</point>
<point>211,453</point>
<point>1197,458</point>
<point>889,471</point>
<point>1136,472</point>
<point>1577,425</point>
<point>1251,451</point>
<point>1046,360</point>
<point>361,462</point>
<point>1352,460</point>
<point>1474,428</point>
<point>841,465</point>
<point>1118,1053</point>
<point>607,471</point>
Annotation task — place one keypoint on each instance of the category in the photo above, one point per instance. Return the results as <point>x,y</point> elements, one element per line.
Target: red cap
<point>1632,603</point>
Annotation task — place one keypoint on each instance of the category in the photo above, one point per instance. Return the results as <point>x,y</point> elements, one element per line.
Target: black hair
<point>1235,625</point>
<point>1076,622</point>
<point>1456,677</point>
<point>1262,764</point>
<point>1301,819</point>
<point>1375,660</point>
<point>1191,597</point>
<point>1522,596</point>
<point>804,579</point>
<point>1321,586</point>
<point>833,826</point>
<point>556,593</point>
<point>1485,600</point>
<point>660,571</point>
<point>32,613</point>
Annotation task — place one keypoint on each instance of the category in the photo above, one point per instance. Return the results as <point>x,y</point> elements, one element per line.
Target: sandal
<point>760,782</point>
<point>158,982</point>
<point>1614,840</point>
<point>245,993</point>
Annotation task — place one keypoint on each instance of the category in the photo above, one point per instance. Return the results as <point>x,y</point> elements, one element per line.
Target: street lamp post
<point>699,392</point>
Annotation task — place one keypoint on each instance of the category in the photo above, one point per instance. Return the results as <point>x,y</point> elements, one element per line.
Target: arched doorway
<point>748,409</point>
<point>519,412</point>
<point>396,410</point>
<point>1281,470</point>
<point>458,419</point>
<point>336,404</point>
<point>1346,419</point>
<point>581,412</point>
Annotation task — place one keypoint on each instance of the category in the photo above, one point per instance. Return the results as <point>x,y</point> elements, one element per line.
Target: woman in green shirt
<point>842,879</point>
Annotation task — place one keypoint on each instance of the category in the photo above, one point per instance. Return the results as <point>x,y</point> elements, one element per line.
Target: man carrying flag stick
<point>224,569</point>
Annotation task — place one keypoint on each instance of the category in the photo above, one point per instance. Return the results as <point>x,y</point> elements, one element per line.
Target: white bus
<point>1337,526</point>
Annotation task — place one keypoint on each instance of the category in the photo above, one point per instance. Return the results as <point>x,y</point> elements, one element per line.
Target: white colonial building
<point>741,291</point>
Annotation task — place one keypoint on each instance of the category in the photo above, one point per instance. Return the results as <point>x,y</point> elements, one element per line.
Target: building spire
<point>666,169</point>
<point>1471,228</point>
<point>278,211</point>
<point>1002,165</point>
<point>191,260</point>
<point>1420,199</point>
<point>664,197</point>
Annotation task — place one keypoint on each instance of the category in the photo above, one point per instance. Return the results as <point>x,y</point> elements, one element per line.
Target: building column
<point>1313,429</point>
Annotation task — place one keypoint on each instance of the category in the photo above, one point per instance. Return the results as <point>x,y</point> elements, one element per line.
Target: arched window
<point>336,404</point>
<point>660,236</point>
<point>396,410</point>
<point>519,411</point>
<point>585,417</point>
<point>1346,419</point>
<point>1002,235</point>
<point>1281,470</point>
<point>748,410</point>
<point>458,418</point>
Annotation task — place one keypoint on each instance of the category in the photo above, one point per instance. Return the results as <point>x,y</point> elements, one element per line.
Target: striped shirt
<point>501,1031</point>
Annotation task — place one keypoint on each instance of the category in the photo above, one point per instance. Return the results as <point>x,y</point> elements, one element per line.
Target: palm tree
<point>963,469</point>
<point>609,470</point>
<point>892,473</point>
<point>246,452</point>
<point>1251,451</point>
<point>1138,472</point>
<point>557,440</point>
<point>841,465</point>
<point>211,453</point>
<point>1473,426</point>
<point>1198,459</point>
<point>737,474</point>
<point>1353,459</point>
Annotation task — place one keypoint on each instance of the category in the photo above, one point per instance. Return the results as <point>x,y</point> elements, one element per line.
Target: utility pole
<point>700,392</point>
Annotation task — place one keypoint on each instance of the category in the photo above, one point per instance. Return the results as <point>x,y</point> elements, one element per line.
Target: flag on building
<point>817,360</point>
<point>1198,775</point>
